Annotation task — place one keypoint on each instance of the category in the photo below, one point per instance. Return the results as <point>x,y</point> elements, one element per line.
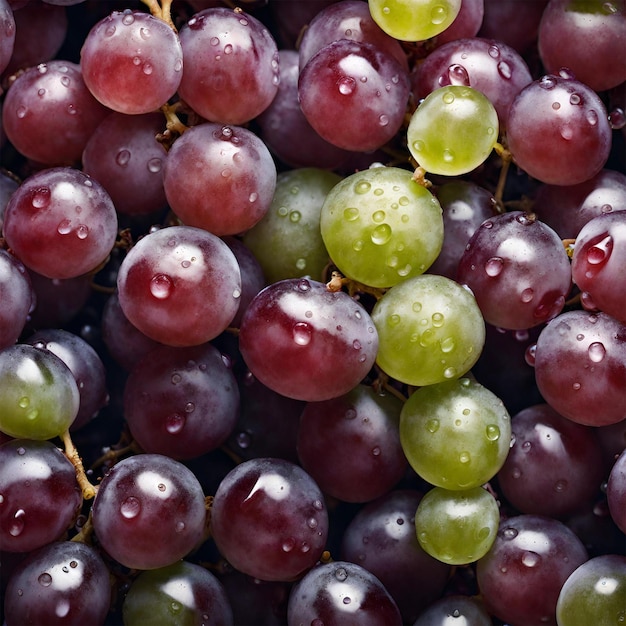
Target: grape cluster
<point>313,312</point>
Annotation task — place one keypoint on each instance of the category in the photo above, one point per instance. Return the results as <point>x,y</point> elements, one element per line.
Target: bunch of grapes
<point>313,312</point>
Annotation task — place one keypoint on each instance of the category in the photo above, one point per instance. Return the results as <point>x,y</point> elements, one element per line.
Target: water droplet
<point>378,216</point>
<point>64,227</point>
<point>448,156</point>
<point>62,608</point>
<point>576,386</point>
<point>509,533</point>
<point>381,234</point>
<point>122,158</point>
<point>180,526</point>
<point>547,82</point>
<point>351,214</point>
<point>253,197</point>
<point>155,165</point>
<point>21,112</point>
<point>527,295</point>
<point>617,118</point>
<point>356,344</point>
<point>493,432</point>
<point>128,18</point>
<point>110,30</point>
<point>346,85</point>
<point>449,372</point>
<point>289,544</point>
<point>303,285</point>
<point>418,145</point>
<point>437,319</point>
<point>45,579</point>
<point>447,345</point>
<point>347,600</point>
<point>504,69</point>
<point>41,197</point>
<point>130,508</point>
<point>376,451</point>
<point>302,333</point>
<point>494,266</point>
<point>16,526</point>
<point>530,559</point>
<point>357,245</point>
<point>294,216</point>
<point>465,457</point>
<point>341,574</point>
<point>560,486</point>
<point>176,378</point>
<point>530,354</point>
<point>596,351</point>
<point>601,251</point>
<point>556,106</point>
<point>161,286</point>
<point>432,425</point>
<point>438,14</point>
<point>82,231</point>
<point>21,451</point>
<point>383,120</point>
<point>174,423</point>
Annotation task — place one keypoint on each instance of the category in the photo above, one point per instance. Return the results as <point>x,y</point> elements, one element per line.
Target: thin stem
<point>89,490</point>
<point>507,159</point>
<point>162,10</point>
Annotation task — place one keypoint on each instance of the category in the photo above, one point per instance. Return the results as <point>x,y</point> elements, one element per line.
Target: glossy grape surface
<point>17,298</point>
<point>455,434</point>
<point>430,330</point>
<point>381,227</point>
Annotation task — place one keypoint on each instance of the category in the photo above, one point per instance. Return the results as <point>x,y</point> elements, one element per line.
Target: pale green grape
<point>381,227</point>
<point>594,593</point>
<point>457,527</point>
<point>39,398</point>
<point>287,242</point>
<point>430,329</point>
<point>453,130</point>
<point>414,20</point>
<point>455,434</point>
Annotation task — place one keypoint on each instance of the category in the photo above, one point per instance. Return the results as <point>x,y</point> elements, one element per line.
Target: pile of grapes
<point>313,312</point>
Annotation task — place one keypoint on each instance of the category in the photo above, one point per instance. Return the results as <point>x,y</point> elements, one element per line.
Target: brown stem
<point>89,490</point>
<point>507,159</point>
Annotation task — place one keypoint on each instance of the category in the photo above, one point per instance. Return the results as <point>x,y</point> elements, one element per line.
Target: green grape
<point>414,20</point>
<point>453,130</point>
<point>287,242</point>
<point>381,227</point>
<point>594,593</point>
<point>455,434</point>
<point>430,329</point>
<point>39,398</point>
<point>457,527</point>
<point>182,594</point>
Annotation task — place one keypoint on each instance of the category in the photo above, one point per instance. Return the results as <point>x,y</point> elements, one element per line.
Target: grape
<point>580,367</point>
<point>491,67</point>
<point>341,593</point>
<point>234,163</point>
<point>7,42</point>
<point>132,62</point>
<point>430,329</point>
<point>285,510</point>
<point>583,36</point>
<point>49,113</point>
<point>360,86</point>
<point>381,538</point>
<point>287,241</point>
<point>17,297</point>
<point>455,434</point>
<point>62,583</point>
<point>594,593</point>
<point>554,466</point>
<point>149,511</point>
<point>306,342</point>
<point>33,517</point>
<point>517,269</point>
<point>228,53</point>
<point>39,397</point>
<point>616,492</point>
<point>8,185</point>
<point>68,210</point>
<point>180,286</point>
<point>414,20</point>
<point>381,227</point>
<point>457,527</point>
<point>448,609</point>
<point>84,363</point>
<point>465,207</point>
<point>522,574</point>
<point>598,262</point>
<point>351,445</point>
<point>123,155</point>
<point>184,592</point>
<point>467,23</point>
<point>347,19</point>
<point>181,402</point>
<point>453,130</point>
<point>558,131</point>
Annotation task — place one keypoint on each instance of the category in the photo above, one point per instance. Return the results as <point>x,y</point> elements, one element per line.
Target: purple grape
<point>64,583</point>
<point>517,269</point>
<point>39,494</point>
<point>149,511</point>
<point>228,53</point>
<point>580,367</point>
<point>382,539</point>
<point>306,342</point>
<point>132,62</point>
<point>341,593</point>
<point>359,86</point>
<point>449,609</point>
<point>522,574</point>
<point>181,402</point>
<point>17,297</point>
<point>350,445</point>
<point>616,492</point>
<point>7,42</point>
<point>234,163</point>
<point>467,23</point>
<point>269,519</point>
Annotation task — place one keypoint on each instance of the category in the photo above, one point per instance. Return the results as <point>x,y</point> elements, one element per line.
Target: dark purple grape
<point>517,269</point>
<point>149,511</point>
<point>350,445</point>
<point>382,539</point>
<point>616,492</point>
<point>17,297</point>
<point>522,574</point>
<point>341,593</point>
<point>455,608</point>
<point>39,495</point>
<point>64,584</point>
<point>181,402</point>
<point>554,467</point>
<point>7,42</point>
<point>307,342</point>
<point>580,367</point>
<point>269,519</point>
<point>467,23</point>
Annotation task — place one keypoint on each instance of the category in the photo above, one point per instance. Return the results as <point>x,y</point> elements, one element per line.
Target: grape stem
<point>507,159</point>
<point>419,176</point>
<point>382,384</point>
<point>337,282</point>
<point>84,534</point>
<point>162,10</point>
<point>89,490</point>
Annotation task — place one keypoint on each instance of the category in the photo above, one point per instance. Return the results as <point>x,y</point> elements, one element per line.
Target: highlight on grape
<point>313,312</point>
